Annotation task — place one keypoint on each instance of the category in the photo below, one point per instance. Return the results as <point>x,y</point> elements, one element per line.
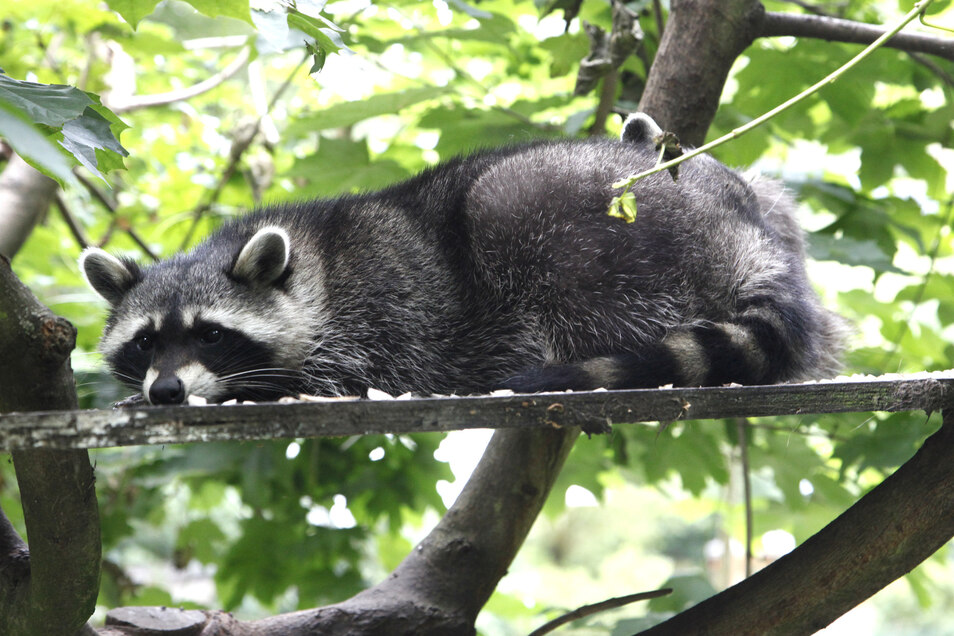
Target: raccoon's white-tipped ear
<point>264,258</point>
<point>109,276</point>
<point>639,128</point>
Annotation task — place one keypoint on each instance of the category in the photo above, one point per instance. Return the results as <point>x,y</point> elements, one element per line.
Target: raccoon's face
<point>209,324</point>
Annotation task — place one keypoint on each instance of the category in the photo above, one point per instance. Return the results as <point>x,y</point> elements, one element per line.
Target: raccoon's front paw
<point>131,401</point>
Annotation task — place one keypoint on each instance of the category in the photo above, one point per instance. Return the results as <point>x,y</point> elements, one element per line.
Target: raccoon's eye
<point>211,336</point>
<point>143,342</point>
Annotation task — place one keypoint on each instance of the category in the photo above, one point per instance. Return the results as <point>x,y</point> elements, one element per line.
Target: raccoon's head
<point>218,322</point>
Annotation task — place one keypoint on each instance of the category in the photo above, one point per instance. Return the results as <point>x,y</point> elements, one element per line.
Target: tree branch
<point>839,30</point>
<point>442,584</point>
<point>111,206</point>
<point>25,194</point>
<point>138,102</point>
<point>595,608</point>
<point>57,593</point>
<point>742,428</point>
<point>242,140</point>
<point>883,536</point>
<point>593,411</point>
<point>682,91</point>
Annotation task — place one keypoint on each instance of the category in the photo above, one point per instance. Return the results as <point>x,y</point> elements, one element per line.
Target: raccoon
<point>497,270</point>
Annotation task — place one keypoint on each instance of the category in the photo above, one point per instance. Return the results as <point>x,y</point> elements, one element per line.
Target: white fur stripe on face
<point>283,330</point>
<point>196,379</point>
<point>151,376</point>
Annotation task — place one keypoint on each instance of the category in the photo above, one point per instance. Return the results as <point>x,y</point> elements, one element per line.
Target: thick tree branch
<point>839,30</point>
<point>57,593</point>
<point>25,194</point>
<point>883,536</point>
<point>442,584</point>
<point>682,91</point>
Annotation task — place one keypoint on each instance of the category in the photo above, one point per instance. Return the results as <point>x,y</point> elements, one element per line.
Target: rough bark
<point>25,194</point>
<point>594,412</point>
<point>839,30</point>
<point>885,535</point>
<point>701,42</point>
<point>52,588</point>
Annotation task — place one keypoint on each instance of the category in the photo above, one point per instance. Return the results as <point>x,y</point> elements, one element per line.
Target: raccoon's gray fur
<point>502,269</point>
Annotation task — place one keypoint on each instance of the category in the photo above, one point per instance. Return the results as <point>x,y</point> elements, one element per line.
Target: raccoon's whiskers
<point>262,380</point>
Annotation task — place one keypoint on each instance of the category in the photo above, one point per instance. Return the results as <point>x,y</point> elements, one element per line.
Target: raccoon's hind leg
<point>759,347</point>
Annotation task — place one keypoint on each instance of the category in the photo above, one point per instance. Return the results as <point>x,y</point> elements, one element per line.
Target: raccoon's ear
<point>639,128</point>
<point>109,276</point>
<point>264,258</point>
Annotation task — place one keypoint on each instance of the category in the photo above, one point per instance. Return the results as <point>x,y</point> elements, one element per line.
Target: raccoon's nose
<point>168,390</point>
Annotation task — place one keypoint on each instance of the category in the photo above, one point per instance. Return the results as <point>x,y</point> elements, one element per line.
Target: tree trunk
<point>52,588</point>
<point>25,194</point>
<point>702,40</point>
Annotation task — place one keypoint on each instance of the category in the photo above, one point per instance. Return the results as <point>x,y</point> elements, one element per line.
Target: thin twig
<point>588,610</point>
<point>239,146</point>
<point>606,102</point>
<point>657,13</point>
<point>758,121</point>
<point>742,425</point>
<point>811,8</point>
<point>112,207</point>
<point>162,99</point>
<point>70,221</point>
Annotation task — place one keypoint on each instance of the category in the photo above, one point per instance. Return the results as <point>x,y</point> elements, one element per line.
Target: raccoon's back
<point>504,268</point>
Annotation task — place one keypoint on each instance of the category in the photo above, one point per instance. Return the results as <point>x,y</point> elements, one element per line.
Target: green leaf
<point>90,139</point>
<point>50,104</point>
<point>33,146</point>
<point>350,113</point>
<point>237,9</point>
<point>133,11</point>
<point>687,590</point>
<point>76,119</point>
<point>890,443</point>
<point>201,539</point>
<point>342,166</point>
<point>465,130</point>
<point>283,28</point>
<point>825,247</point>
<point>325,33</point>
<point>624,206</point>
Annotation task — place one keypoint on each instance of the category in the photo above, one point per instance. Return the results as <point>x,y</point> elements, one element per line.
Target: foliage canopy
<point>405,84</point>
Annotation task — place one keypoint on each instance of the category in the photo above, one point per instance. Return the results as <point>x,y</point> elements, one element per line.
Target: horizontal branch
<point>839,30</point>
<point>137,102</point>
<point>884,535</point>
<point>593,411</point>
